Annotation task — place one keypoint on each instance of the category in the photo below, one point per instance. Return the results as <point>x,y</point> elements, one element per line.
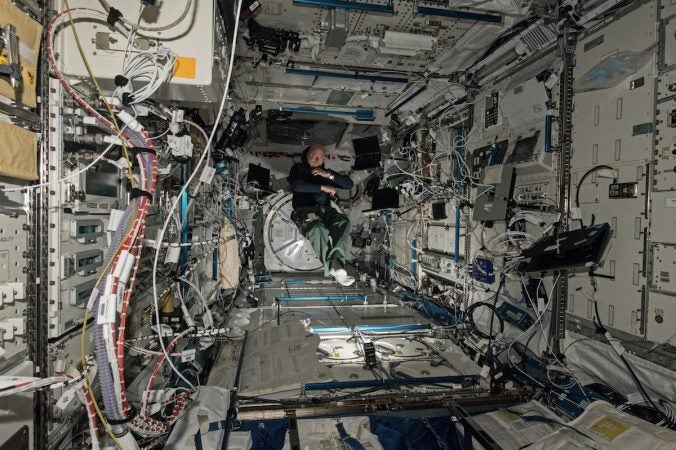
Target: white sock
<point>342,277</point>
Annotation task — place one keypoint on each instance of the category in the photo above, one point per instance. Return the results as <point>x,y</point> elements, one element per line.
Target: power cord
<point>579,185</point>
<point>600,329</point>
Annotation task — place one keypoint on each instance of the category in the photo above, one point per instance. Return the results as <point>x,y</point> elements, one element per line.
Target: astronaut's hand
<point>328,189</point>
<point>320,173</point>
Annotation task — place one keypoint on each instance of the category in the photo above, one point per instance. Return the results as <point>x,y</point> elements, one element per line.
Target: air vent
<point>536,38</point>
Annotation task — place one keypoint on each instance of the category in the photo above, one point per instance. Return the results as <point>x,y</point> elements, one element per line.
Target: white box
<point>197,38</point>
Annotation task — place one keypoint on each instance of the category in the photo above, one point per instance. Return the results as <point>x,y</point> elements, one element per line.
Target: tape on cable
<point>121,260</point>
<point>107,310</point>
<point>132,414</point>
<point>173,253</point>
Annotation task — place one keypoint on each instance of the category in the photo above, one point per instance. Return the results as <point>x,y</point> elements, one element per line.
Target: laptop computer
<point>387,198</point>
<point>366,153</point>
<point>575,248</point>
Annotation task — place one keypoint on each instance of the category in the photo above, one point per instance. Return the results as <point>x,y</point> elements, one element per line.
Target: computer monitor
<point>439,211</point>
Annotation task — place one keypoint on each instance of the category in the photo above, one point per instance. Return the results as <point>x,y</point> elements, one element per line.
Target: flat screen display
<point>103,180</point>
<point>366,146</point>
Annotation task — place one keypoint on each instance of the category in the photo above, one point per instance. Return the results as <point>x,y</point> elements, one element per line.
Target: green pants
<point>318,224</point>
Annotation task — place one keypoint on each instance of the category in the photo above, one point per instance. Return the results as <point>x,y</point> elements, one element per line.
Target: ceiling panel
<point>311,20</point>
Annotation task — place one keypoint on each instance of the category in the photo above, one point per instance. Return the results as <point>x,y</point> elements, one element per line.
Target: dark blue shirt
<point>306,187</point>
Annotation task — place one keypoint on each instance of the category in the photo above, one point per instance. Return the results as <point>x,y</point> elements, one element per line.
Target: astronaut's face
<point>315,157</point>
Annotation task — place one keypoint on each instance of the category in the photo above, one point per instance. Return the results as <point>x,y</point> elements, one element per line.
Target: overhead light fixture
<point>369,7</point>
<point>371,328</point>
<point>460,14</point>
<point>348,75</point>
<point>406,44</point>
<point>361,114</point>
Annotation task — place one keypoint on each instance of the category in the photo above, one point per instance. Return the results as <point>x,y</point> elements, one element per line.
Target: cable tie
<point>121,81</point>
<point>114,16</point>
<point>136,193</point>
<point>127,98</point>
<point>132,414</point>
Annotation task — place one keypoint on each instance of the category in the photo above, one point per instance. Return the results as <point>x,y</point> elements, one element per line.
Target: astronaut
<point>313,186</point>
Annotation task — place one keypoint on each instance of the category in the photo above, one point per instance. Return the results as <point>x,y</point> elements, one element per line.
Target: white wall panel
<point>615,127</point>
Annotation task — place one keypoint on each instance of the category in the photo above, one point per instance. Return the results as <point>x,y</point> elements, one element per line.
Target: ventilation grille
<point>538,37</point>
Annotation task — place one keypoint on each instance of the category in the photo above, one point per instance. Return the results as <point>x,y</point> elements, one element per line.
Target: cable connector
<point>127,98</point>
<point>180,146</point>
<point>177,116</point>
<point>129,120</point>
<point>121,163</point>
<point>113,101</point>
<point>164,52</point>
<point>207,175</point>
<point>114,16</point>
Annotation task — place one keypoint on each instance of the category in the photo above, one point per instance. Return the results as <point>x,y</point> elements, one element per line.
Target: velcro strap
<point>136,193</point>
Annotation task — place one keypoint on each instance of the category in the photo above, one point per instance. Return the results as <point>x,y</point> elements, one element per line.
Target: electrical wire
<point>198,291</point>
<point>33,385</point>
<point>579,185</point>
<point>602,330</point>
<point>160,236</point>
<point>491,334</point>
<point>538,318</point>
<point>155,67</point>
<point>141,208</point>
<point>572,375</point>
<point>83,356</point>
<point>99,91</point>
<point>168,26</point>
<point>115,128</point>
